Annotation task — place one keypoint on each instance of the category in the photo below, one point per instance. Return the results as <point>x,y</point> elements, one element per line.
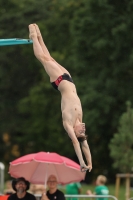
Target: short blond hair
<point>102,179</point>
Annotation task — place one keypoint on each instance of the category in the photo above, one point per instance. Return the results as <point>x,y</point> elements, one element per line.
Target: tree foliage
<point>121,145</point>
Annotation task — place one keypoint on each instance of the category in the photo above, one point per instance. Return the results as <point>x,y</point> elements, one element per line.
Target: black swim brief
<point>65,76</point>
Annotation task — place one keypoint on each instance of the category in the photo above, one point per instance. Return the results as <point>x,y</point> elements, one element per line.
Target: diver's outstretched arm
<point>87,153</point>
<point>76,145</point>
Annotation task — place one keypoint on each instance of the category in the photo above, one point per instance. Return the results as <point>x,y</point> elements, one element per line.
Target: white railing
<point>91,196</point>
<point>85,196</point>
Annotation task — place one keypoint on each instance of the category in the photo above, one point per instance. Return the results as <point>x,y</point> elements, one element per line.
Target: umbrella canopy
<point>37,167</point>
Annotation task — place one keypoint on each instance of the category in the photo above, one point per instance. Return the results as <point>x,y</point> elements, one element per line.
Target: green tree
<point>121,145</point>
<point>104,54</point>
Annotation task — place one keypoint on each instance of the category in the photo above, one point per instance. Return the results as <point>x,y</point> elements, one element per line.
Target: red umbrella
<point>36,168</point>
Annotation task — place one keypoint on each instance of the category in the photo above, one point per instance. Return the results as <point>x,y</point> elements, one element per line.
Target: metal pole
<point>2,168</point>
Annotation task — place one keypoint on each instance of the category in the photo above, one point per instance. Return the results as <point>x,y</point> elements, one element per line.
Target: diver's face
<point>79,129</point>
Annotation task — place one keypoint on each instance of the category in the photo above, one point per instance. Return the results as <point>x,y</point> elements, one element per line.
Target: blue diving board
<point>14,41</point>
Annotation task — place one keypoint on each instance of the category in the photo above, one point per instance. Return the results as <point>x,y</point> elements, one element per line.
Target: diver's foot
<point>32,31</point>
<point>37,31</point>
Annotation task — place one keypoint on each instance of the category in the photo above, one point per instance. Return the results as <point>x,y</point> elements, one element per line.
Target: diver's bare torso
<point>70,103</point>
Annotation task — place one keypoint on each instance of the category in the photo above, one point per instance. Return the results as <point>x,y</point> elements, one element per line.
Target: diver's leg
<point>45,50</point>
<point>52,69</point>
<point>38,51</point>
<point>40,39</point>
